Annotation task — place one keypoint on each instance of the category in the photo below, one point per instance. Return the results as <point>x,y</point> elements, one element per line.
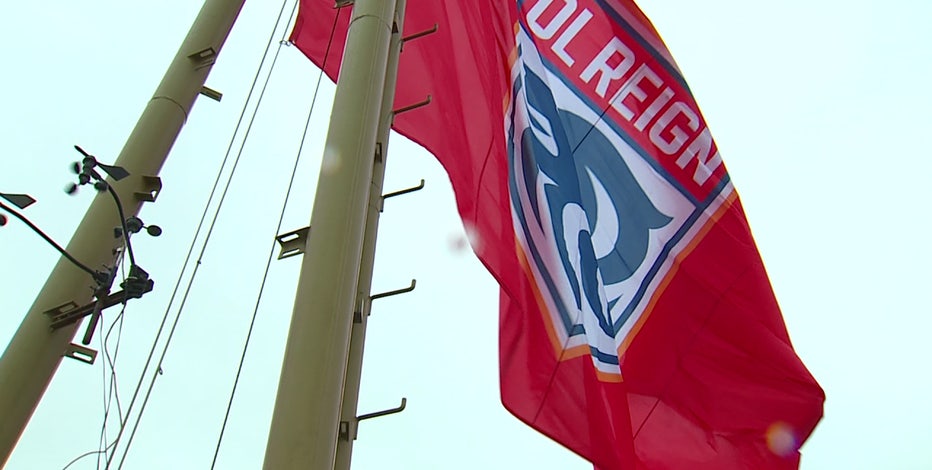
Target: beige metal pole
<point>305,421</point>
<point>34,353</point>
<point>358,336</point>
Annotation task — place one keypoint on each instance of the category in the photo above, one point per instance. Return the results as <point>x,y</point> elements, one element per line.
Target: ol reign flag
<point>597,220</point>
<point>638,327</point>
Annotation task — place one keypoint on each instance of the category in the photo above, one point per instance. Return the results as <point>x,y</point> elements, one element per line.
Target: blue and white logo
<point>594,218</point>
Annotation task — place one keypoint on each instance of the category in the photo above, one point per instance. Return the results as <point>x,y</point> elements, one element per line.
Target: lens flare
<point>458,243</point>
<point>781,439</point>
<point>461,242</point>
<point>331,162</point>
<point>472,235</point>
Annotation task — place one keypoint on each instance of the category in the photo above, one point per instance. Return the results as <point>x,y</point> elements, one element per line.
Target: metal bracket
<point>70,312</point>
<point>409,107</point>
<point>95,310</point>
<point>59,311</point>
<point>421,34</point>
<point>343,3</point>
<point>395,292</point>
<point>401,192</point>
<point>345,426</point>
<point>390,411</point>
<point>80,353</point>
<point>204,57</point>
<point>151,186</point>
<point>363,307</point>
<point>345,431</point>
<point>293,243</point>
<point>211,93</point>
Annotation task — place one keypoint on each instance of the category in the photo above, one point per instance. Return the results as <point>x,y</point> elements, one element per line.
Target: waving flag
<point>638,326</point>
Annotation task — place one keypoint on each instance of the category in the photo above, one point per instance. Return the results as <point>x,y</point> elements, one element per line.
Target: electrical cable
<point>111,391</point>
<point>87,454</point>
<point>278,228</point>
<point>114,384</point>
<point>102,440</point>
<point>48,239</point>
<point>191,249</point>
<point>119,206</point>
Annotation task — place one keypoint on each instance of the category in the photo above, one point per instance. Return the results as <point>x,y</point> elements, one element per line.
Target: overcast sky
<point>820,110</point>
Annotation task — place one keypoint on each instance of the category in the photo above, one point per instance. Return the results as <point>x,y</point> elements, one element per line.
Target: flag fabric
<point>638,327</point>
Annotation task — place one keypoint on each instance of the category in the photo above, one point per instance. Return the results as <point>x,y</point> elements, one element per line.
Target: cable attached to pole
<point>278,228</point>
<point>188,257</point>
<point>98,276</point>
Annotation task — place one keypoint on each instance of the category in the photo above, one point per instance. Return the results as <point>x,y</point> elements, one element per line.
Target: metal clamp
<point>203,58</point>
<point>70,312</point>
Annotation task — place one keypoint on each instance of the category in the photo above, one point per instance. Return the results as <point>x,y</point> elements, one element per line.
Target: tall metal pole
<point>34,353</point>
<point>358,335</point>
<point>305,421</point>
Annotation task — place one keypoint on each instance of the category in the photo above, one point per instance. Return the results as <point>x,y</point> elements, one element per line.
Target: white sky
<point>820,109</point>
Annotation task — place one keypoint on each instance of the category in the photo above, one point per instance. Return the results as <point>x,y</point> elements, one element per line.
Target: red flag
<point>638,326</point>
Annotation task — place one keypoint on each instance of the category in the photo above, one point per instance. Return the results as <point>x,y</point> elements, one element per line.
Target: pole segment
<point>358,335</point>
<point>34,353</point>
<point>306,418</point>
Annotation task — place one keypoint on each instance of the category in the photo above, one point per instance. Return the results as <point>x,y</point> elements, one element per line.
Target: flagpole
<point>306,418</point>
<point>35,351</point>
<point>358,335</point>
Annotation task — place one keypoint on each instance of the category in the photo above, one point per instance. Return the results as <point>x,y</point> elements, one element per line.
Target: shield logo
<point>589,227</point>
